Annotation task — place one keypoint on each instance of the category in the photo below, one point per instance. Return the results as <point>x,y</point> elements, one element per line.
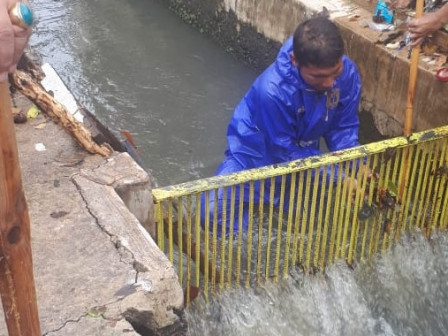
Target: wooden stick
<point>412,77</point>
<point>407,130</point>
<point>16,267</point>
<point>37,94</point>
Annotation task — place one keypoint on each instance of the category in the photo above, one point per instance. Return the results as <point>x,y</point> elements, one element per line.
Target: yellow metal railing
<point>343,205</point>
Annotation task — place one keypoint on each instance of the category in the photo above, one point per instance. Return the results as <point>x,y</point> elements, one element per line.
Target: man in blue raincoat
<point>311,91</point>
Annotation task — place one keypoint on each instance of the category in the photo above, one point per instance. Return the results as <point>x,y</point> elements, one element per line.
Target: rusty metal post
<point>16,267</point>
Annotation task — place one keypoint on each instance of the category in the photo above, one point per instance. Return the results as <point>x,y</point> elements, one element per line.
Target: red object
<point>127,135</point>
<point>442,74</point>
<point>194,292</point>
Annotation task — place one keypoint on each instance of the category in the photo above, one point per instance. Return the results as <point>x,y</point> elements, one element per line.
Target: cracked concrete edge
<point>131,182</point>
<point>156,289</point>
<point>95,325</point>
<point>106,319</point>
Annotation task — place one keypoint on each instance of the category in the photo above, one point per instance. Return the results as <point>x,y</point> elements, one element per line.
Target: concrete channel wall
<point>255,29</point>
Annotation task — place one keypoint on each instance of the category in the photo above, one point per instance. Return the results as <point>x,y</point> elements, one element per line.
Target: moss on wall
<point>238,39</point>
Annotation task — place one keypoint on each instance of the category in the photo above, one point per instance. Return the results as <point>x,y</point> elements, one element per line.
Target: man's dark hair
<point>318,42</point>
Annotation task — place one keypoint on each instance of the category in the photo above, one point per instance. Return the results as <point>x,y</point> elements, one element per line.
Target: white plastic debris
<point>40,147</point>
<point>52,82</point>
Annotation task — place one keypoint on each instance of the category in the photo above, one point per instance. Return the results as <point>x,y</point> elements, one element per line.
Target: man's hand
<point>13,40</point>
<point>352,184</point>
<point>419,28</point>
<point>428,23</point>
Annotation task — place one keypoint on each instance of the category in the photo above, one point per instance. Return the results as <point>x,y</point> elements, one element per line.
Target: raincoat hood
<point>281,118</point>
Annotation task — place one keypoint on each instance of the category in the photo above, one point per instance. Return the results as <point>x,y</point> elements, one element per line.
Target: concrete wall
<point>255,29</point>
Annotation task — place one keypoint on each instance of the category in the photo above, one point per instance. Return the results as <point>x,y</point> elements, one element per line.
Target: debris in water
<point>387,228</point>
<point>365,212</point>
<point>193,293</point>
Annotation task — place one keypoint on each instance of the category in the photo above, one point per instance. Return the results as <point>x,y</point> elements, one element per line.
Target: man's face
<point>321,79</point>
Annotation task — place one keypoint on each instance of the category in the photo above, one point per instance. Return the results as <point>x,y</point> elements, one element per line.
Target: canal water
<point>403,292</point>
<point>138,67</point>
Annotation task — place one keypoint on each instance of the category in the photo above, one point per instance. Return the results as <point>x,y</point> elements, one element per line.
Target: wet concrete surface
<point>80,271</point>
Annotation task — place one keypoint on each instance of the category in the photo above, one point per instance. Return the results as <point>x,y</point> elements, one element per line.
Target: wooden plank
<point>16,267</point>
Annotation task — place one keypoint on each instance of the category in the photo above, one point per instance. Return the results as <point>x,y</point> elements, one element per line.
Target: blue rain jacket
<point>281,118</point>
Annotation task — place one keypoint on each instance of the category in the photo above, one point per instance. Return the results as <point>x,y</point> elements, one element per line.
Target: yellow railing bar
<point>367,202</point>
<point>221,181</point>
<point>197,232</point>
<point>289,225</point>
<point>345,213</point>
<point>319,216</point>
<point>240,236</point>
<point>179,237</point>
<point>279,229</point>
<point>223,233</point>
<point>415,166</point>
<point>297,219</point>
<point>416,183</point>
<point>250,225</point>
<point>215,236</point>
<point>442,173</point>
<point>231,230</point>
<point>370,221</point>
<point>408,156</point>
<point>395,177</point>
<point>260,230</point>
<point>305,219</point>
<point>335,230</point>
<point>311,218</point>
<point>387,221</point>
<point>327,218</point>
<point>189,212</point>
<point>206,241</point>
<point>425,175</point>
<point>270,219</point>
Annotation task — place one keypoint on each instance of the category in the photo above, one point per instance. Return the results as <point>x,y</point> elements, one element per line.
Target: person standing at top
<point>312,90</point>
<point>13,40</point>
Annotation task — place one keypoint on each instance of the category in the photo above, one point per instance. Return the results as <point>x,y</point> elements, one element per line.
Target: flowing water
<point>138,67</point>
<point>403,292</point>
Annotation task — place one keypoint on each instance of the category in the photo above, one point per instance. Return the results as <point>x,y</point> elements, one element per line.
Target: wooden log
<point>28,86</point>
<point>16,267</point>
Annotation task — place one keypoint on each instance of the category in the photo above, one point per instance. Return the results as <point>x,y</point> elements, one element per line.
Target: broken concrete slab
<point>131,183</point>
<point>155,279</point>
<point>88,271</point>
